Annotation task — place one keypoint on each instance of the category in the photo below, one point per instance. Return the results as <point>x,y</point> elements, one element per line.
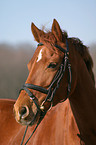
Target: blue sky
<point>77,17</point>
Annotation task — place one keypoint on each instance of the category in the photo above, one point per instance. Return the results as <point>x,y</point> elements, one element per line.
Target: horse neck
<point>83,104</point>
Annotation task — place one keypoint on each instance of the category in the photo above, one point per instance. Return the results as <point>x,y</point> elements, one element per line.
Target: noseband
<point>50,92</point>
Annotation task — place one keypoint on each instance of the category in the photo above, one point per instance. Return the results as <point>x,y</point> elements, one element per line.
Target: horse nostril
<point>24,112</point>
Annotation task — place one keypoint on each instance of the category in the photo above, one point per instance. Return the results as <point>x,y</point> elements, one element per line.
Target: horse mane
<point>84,52</point>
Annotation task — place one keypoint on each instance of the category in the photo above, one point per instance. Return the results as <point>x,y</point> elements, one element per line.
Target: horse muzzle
<point>26,116</point>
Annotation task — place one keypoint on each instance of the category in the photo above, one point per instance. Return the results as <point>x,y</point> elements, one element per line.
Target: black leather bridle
<point>50,92</point>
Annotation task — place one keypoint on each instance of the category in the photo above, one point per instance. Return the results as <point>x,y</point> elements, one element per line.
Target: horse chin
<point>35,119</point>
<point>24,122</point>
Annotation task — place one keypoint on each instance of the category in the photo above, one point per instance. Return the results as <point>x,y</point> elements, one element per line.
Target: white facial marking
<point>39,56</point>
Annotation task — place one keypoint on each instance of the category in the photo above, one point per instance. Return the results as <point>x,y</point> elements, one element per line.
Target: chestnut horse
<point>66,119</point>
<point>37,94</point>
<point>57,127</point>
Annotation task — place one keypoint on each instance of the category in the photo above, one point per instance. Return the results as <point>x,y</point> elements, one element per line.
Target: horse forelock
<point>49,40</point>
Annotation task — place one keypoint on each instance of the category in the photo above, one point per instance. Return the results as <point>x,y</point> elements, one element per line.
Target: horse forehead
<point>39,57</point>
<point>43,52</point>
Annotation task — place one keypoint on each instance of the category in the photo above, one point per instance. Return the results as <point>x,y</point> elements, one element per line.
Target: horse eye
<point>52,65</point>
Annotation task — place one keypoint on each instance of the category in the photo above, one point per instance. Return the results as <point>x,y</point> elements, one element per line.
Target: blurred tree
<point>13,68</point>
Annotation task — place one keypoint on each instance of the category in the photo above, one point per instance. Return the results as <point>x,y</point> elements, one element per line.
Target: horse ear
<point>56,30</point>
<point>36,32</point>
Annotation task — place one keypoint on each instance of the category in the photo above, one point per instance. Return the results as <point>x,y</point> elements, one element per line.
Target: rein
<point>50,92</point>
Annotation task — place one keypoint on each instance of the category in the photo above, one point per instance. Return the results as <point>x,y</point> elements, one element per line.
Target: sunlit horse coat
<point>68,122</point>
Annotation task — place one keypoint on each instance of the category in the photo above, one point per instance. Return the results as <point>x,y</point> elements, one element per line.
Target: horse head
<point>49,74</point>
